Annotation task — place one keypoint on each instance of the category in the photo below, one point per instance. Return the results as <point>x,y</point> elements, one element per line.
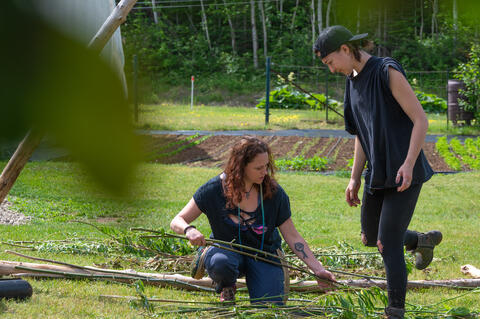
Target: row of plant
<point>455,154</point>
<point>300,163</point>
<point>191,143</point>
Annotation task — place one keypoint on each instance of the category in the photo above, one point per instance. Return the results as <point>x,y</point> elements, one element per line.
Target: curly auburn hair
<point>242,153</point>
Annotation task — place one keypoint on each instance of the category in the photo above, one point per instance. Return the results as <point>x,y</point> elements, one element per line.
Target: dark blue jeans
<point>386,215</point>
<point>264,280</point>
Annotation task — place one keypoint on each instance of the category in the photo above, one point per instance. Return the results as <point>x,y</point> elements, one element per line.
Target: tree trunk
<point>385,53</point>
<point>434,18</point>
<point>294,15</point>
<point>455,17</point>
<point>312,6</point>
<point>327,14</point>
<point>232,29</point>
<point>254,34</point>
<point>320,16</point>
<point>155,15</point>
<point>281,14</point>
<point>421,19</point>
<point>205,25</point>
<point>379,31</point>
<point>26,148</point>
<point>358,19</point>
<point>264,26</point>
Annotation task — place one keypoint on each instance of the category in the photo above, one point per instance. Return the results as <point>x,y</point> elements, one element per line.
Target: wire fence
<point>320,80</point>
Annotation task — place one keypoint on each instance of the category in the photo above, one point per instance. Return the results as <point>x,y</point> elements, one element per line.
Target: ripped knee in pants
<point>368,242</point>
<point>380,246</point>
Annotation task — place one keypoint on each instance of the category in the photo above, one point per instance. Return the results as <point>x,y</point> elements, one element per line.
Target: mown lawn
<point>56,193</point>
<point>181,117</point>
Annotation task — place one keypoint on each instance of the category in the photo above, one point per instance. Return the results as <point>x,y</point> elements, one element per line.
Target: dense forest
<point>173,39</point>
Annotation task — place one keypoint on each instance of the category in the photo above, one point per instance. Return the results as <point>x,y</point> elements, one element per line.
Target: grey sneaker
<point>424,251</point>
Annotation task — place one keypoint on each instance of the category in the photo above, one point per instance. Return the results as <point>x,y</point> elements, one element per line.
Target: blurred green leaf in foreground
<point>55,84</point>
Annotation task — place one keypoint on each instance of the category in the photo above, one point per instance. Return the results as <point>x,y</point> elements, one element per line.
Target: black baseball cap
<point>331,38</point>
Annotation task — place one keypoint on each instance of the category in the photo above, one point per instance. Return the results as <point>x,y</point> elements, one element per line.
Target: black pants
<point>385,217</point>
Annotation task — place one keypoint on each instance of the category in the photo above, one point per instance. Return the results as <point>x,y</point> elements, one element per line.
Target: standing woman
<point>381,109</point>
<point>246,205</point>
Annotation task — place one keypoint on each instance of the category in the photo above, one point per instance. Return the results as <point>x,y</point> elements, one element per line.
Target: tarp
<point>82,19</point>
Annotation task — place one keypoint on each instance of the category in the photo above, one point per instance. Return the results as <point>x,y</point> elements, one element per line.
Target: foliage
<point>431,103</point>
<point>299,163</point>
<point>67,92</point>
<point>469,73</point>
<point>287,97</point>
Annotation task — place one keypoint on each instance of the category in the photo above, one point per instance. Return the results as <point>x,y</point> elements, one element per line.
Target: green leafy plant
<point>444,151</point>
<point>431,103</point>
<point>286,96</point>
<point>469,73</point>
<point>299,163</point>
<point>469,156</point>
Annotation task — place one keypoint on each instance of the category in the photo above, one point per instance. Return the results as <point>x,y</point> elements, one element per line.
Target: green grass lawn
<point>181,117</point>
<point>56,193</point>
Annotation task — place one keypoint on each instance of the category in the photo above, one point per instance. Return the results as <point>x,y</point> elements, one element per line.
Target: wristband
<point>187,228</point>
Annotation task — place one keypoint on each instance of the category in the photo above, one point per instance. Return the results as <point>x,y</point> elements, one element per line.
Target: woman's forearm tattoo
<point>301,248</point>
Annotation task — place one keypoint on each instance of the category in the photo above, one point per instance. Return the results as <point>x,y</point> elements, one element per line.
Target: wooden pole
<point>116,18</point>
<point>18,160</point>
<point>30,143</point>
<point>22,269</point>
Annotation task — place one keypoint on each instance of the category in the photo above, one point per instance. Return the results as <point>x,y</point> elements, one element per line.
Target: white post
<point>191,99</point>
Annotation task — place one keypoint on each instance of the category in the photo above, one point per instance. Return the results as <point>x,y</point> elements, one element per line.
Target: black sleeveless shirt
<point>383,128</point>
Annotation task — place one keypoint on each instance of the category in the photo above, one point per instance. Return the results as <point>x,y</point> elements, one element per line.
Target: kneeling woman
<point>246,205</point>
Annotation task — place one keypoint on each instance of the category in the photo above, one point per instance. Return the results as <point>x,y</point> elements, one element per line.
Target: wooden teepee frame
<point>33,138</point>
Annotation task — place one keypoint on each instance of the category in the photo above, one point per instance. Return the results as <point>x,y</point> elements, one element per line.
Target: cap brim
<point>358,36</point>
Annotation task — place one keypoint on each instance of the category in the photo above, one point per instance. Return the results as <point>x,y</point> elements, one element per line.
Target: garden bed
<point>213,151</point>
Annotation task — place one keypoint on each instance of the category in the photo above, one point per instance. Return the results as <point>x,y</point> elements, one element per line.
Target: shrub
<point>469,73</point>
<point>431,103</point>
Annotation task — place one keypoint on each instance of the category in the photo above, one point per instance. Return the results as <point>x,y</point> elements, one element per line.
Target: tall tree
<point>155,15</point>
<point>421,20</point>
<point>264,26</point>
<point>327,14</point>
<point>254,34</point>
<point>434,18</point>
<point>232,28</point>
<point>205,25</point>
<point>358,19</point>
<point>455,16</point>
<point>312,7</point>
<point>320,15</point>
<point>294,14</point>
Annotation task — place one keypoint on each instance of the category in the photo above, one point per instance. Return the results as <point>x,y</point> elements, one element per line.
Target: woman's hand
<point>405,174</point>
<point>325,279</point>
<point>195,237</point>
<point>351,193</point>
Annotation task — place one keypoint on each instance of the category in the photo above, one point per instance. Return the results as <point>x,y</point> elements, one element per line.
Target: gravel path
<point>10,217</point>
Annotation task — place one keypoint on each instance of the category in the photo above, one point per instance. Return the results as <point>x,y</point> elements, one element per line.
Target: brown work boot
<point>228,294</point>
<point>424,251</point>
<point>198,265</point>
<point>394,313</point>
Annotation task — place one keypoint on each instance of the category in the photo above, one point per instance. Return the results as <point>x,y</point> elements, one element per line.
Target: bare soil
<point>214,151</point>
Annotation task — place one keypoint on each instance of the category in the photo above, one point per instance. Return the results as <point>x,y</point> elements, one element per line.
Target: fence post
<point>326,95</point>
<point>135,86</point>
<point>267,90</point>
<point>447,99</point>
